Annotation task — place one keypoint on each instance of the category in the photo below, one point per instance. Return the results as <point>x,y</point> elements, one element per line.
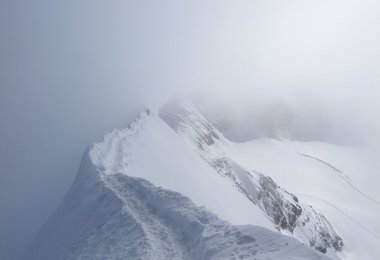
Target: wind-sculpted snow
<point>114,216</point>
<point>285,210</point>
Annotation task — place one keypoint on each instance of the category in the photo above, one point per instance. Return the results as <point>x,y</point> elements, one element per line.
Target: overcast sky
<point>72,70</point>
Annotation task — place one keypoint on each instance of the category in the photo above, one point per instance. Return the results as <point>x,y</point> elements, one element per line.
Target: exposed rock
<point>285,210</point>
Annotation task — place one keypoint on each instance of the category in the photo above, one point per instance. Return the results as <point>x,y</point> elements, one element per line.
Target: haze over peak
<point>72,70</point>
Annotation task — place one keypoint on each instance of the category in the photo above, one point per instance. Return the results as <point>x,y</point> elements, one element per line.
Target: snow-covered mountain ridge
<point>131,198</point>
<point>110,215</point>
<point>284,209</point>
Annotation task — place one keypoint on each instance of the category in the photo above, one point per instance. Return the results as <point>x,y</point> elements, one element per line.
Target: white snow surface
<point>287,213</point>
<point>114,216</point>
<point>342,182</point>
<point>130,199</point>
<point>150,149</point>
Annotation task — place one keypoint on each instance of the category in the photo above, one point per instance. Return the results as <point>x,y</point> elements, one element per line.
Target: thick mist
<point>72,70</point>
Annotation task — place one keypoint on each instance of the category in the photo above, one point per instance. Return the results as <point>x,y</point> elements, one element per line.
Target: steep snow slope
<point>341,182</point>
<point>109,215</point>
<point>288,214</point>
<point>150,149</point>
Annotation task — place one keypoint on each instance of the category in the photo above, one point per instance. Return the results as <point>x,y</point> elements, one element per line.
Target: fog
<point>72,70</point>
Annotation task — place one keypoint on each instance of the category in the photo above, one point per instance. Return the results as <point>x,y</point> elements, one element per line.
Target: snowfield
<point>339,181</point>
<point>171,186</point>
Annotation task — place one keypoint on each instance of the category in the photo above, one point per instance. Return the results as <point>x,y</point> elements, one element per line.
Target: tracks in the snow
<point>342,212</point>
<point>341,175</point>
<point>163,242</point>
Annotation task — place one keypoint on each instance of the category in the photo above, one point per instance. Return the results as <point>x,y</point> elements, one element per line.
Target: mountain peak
<point>175,173</point>
<point>282,207</point>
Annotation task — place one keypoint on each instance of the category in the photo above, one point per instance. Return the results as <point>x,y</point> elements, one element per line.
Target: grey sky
<point>72,70</point>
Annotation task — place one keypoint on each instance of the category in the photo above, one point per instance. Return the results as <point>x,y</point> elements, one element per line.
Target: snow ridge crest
<point>114,154</point>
